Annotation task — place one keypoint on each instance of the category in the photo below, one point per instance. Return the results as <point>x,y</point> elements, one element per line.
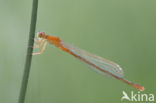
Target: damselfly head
<point>41,34</point>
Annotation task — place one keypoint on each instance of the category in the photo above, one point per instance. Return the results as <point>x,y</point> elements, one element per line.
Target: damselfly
<point>97,63</point>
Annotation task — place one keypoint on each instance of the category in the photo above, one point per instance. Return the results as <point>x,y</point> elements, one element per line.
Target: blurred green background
<point>123,31</point>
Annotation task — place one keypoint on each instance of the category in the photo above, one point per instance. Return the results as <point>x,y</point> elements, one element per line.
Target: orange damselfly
<point>97,63</point>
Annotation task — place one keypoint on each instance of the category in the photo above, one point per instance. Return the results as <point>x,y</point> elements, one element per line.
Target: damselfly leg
<point>39,44</point>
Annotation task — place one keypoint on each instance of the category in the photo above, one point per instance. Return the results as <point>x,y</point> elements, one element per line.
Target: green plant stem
<point>29,52</point>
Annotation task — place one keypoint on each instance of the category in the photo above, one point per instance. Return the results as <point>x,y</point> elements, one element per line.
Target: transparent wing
<point>107,65</point>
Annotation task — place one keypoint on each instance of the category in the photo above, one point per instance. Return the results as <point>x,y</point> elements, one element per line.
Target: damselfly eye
<point>41,34</point>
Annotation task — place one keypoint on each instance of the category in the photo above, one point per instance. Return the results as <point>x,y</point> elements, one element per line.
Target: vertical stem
<point>29,52</point>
